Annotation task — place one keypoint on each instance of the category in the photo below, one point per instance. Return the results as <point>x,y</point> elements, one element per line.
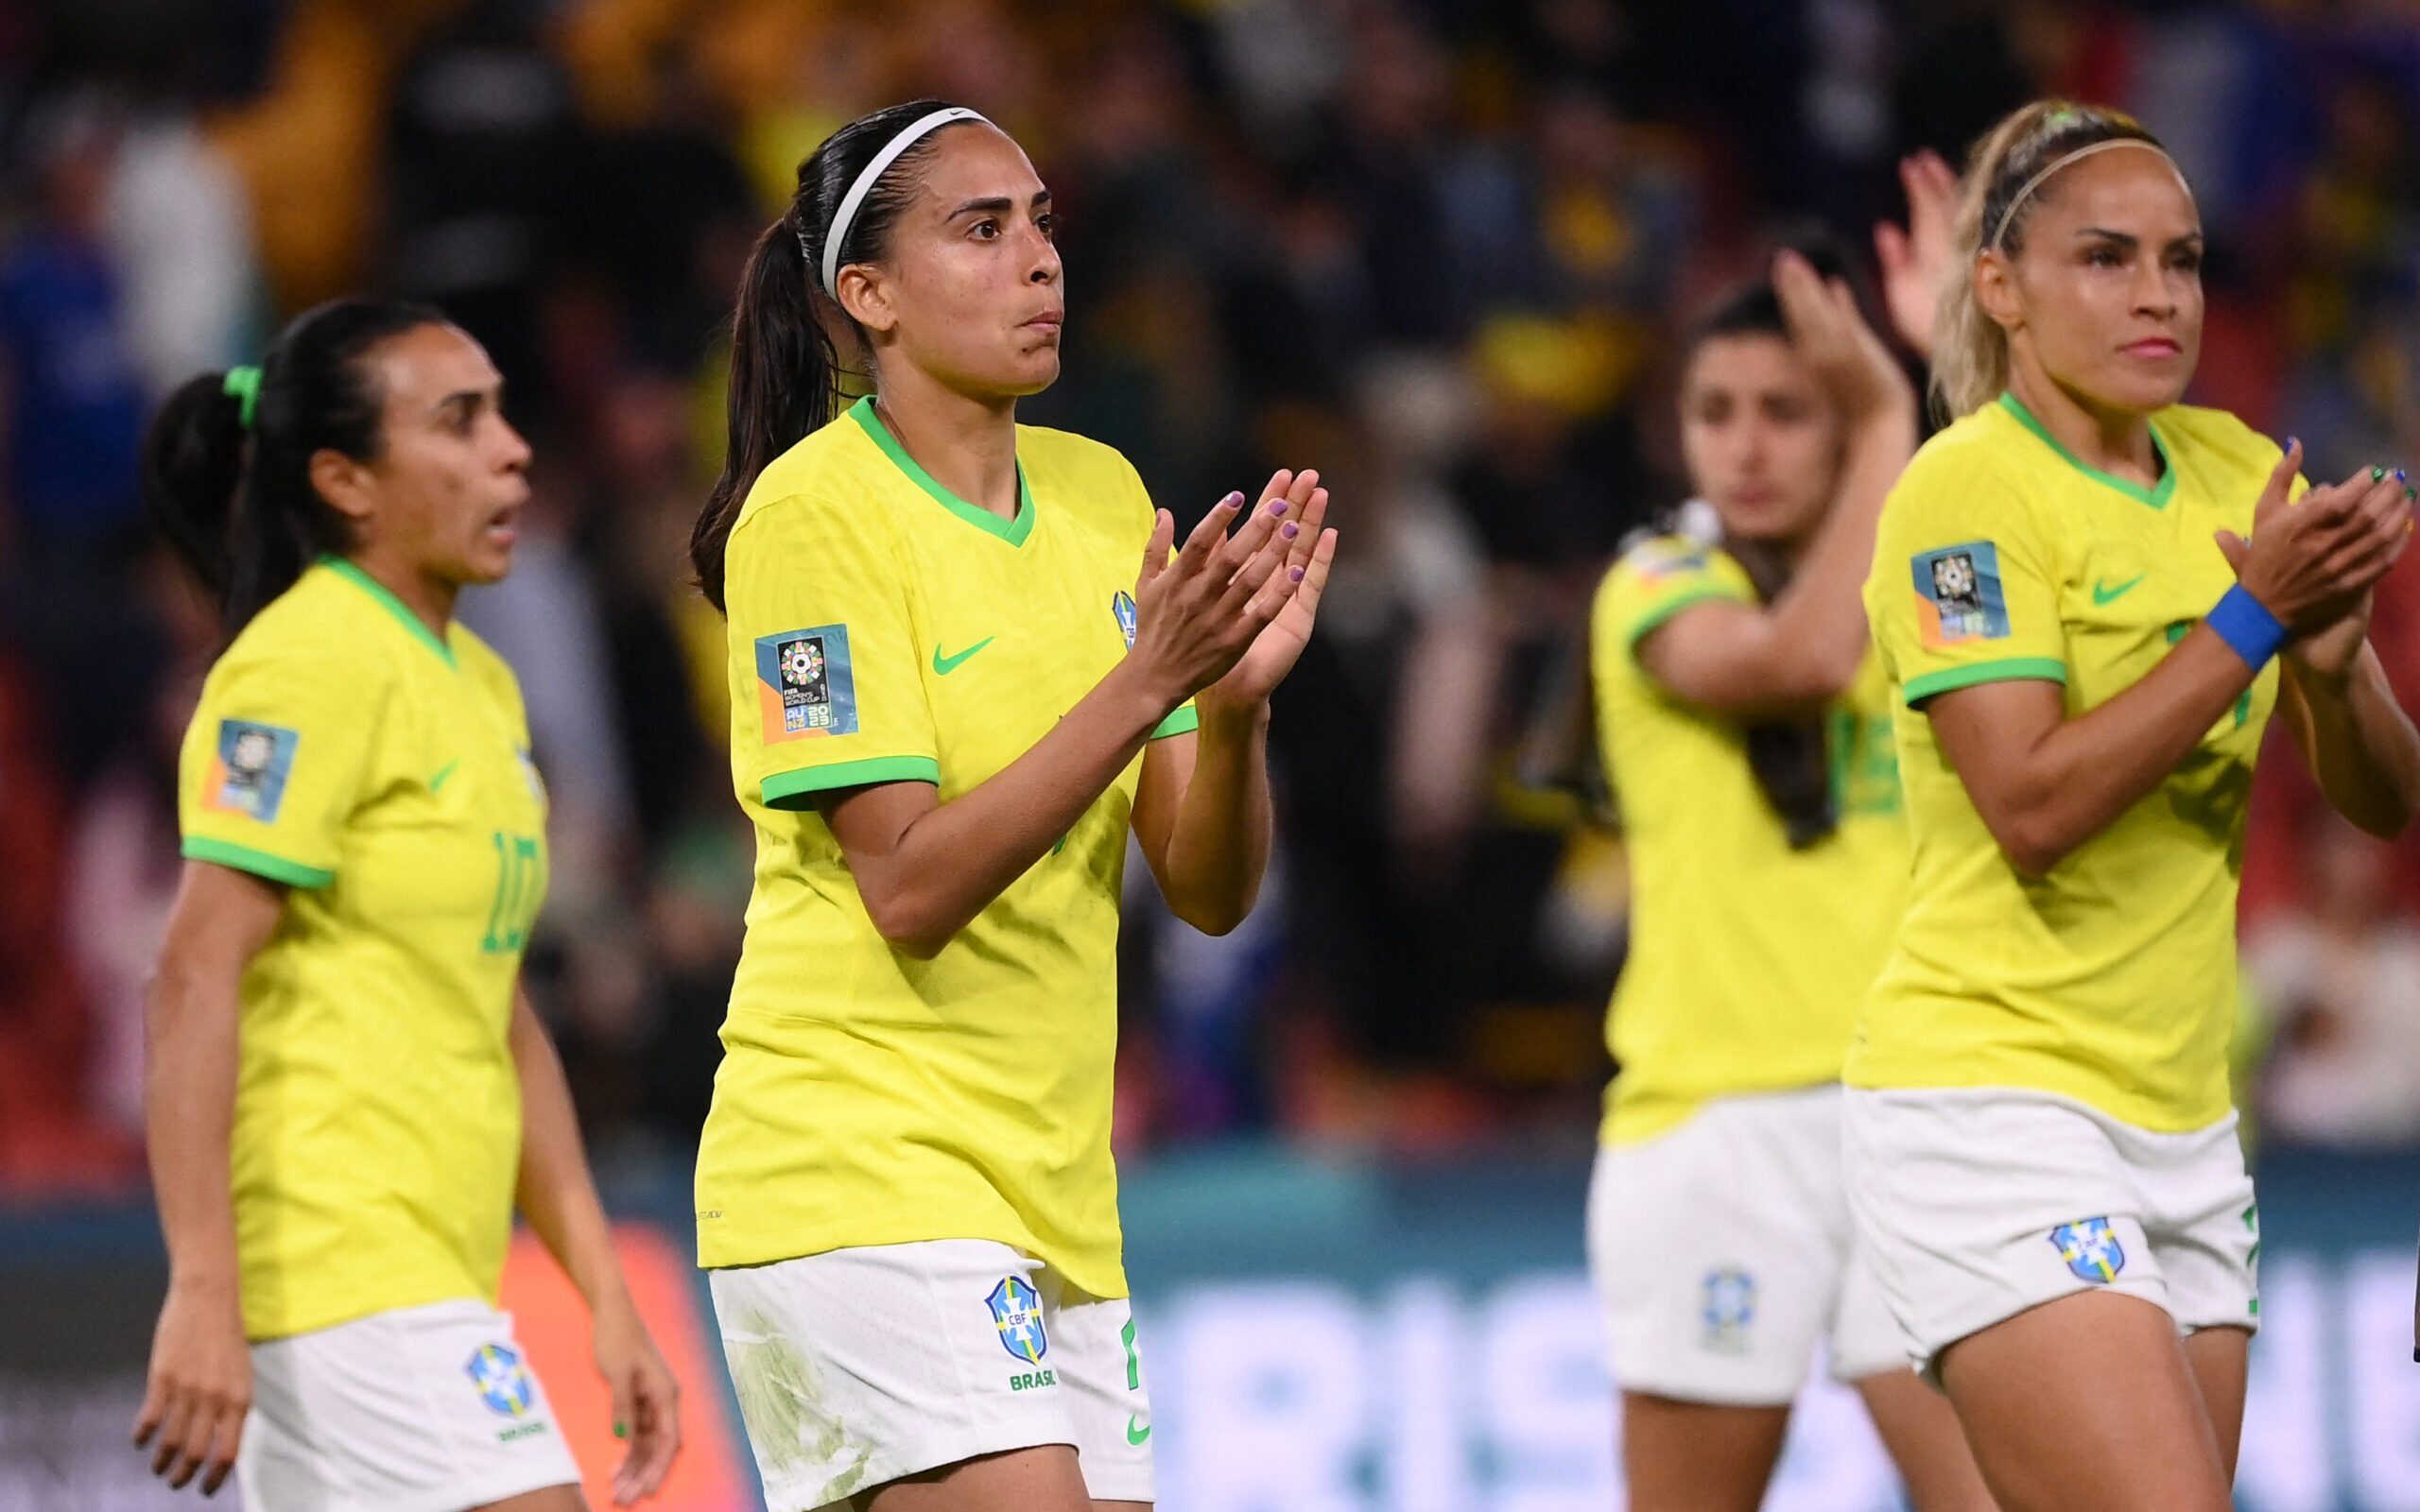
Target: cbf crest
<point>804,684</point>
<point>502,1379</point>
<point>1123,607</point>
<point>1727,1305</point>
<point>2090,1248</point>
<point>1016,1311</point>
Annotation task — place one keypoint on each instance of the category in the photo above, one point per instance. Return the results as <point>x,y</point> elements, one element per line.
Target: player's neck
<point>2117,442</point>
<point>429,598</point>
<point>968,446</point>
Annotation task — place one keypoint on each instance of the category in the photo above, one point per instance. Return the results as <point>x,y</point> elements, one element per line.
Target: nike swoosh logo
<point>438,781</point>
<point>2103,593</point>
<point>1134,1437</point>
<point>944,665</point>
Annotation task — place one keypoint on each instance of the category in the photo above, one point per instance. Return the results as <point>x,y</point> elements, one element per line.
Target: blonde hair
<point>1969,349</point>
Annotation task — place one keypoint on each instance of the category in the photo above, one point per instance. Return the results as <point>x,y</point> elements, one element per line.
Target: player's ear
<point>344,483</point>
<point>1996,290</point>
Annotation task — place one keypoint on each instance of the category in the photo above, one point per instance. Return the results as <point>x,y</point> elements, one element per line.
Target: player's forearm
<point>555,1192</point>
<point>1820,618</point>
<point>192,1022</point>
<point>956,857</point>
<point>2043,798</point>
<point>2358,742</point>
<point>1219,844</point>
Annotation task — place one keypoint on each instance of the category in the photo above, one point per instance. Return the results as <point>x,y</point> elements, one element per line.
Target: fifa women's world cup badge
<point>803,686</point>
<point>250,774</point>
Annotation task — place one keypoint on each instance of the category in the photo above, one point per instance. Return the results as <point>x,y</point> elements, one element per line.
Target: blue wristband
<point>2245,624</point>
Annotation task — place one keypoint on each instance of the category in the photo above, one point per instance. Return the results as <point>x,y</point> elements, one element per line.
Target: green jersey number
<point>515,905</point>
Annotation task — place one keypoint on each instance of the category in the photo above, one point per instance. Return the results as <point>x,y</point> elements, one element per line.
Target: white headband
<point>2036,182</point>
<point>858,191</point>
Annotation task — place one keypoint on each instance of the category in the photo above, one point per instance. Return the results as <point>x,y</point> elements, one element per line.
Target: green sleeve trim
<point>1653,619</point>
<point>789,790</point>
<point>259,863</point>
<point>1183,722</point>
<point>2011,669</point>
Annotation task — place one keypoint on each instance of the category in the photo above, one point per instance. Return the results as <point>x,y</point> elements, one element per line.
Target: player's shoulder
<point>486,667</point>
<point>323,626</point>
<point>2216,440</point>
<point>1987,446</point>
<point>835,466</point>
<point>1656,560</point>
<point>1076,469</point>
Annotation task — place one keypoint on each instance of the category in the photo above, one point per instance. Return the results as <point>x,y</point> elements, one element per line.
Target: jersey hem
<point>1183,722</point>
<point>732,1255</point>
<point>1655,618</point>
<point>784,789</point>
<point>2196,1120</point>
<point>258,863</point>
<point>2008,669</point>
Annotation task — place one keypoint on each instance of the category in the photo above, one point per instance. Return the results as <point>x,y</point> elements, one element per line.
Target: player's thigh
<point>1694,1457</point>
<point>1044,1478</point>
<point>2086,1402</point>
<point>2221,1361</point>
<point>1098,1352</point>
<point>1919,1430</point>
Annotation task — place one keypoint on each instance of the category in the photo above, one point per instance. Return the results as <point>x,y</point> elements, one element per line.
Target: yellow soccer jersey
<point>383,776</point>
<point>2112,980</point>
<point>882,630</point>
<point>1748,959</point>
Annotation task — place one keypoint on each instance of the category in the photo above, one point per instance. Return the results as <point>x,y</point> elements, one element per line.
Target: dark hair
<point>785,376</point>
<point>237,504</point>
<point>1752,308</point>
<point>1791,760</point>
<point>1970,351</point>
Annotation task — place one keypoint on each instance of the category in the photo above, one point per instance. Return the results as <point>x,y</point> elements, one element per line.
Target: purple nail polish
<point>1298,574</point>
<point>1276,507</point>
<point>2292,444</point>
<point>1232,500</point>
<point>1291,529</point>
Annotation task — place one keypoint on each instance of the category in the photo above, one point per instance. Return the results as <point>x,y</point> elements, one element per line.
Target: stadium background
<point>1441,250</point>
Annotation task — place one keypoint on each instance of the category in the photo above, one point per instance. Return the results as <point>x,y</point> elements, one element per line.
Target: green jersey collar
<point>387,601</point>
<point>1013,531</point>
<point>2156,497</point>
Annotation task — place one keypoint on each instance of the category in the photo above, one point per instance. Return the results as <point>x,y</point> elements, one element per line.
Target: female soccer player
<point>951,698</point>
<point>2042,1156</point>
<point>1748,732</point>
<point>347,1092</point>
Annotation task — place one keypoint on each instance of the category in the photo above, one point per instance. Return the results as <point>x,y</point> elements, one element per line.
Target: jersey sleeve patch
<point>804,688</point>
<point>1959,597</point>
<point>249,773</point>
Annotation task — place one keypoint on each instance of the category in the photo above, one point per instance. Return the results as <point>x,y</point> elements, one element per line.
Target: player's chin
<point>1034,371</point>
<point>2137,387</point>
<point>487,561</point>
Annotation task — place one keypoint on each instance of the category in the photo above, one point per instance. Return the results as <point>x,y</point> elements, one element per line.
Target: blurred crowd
<point>1438,249</point>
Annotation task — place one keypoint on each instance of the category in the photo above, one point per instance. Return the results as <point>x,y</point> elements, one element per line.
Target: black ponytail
<point>237,503</point>
<point>785,370</point>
